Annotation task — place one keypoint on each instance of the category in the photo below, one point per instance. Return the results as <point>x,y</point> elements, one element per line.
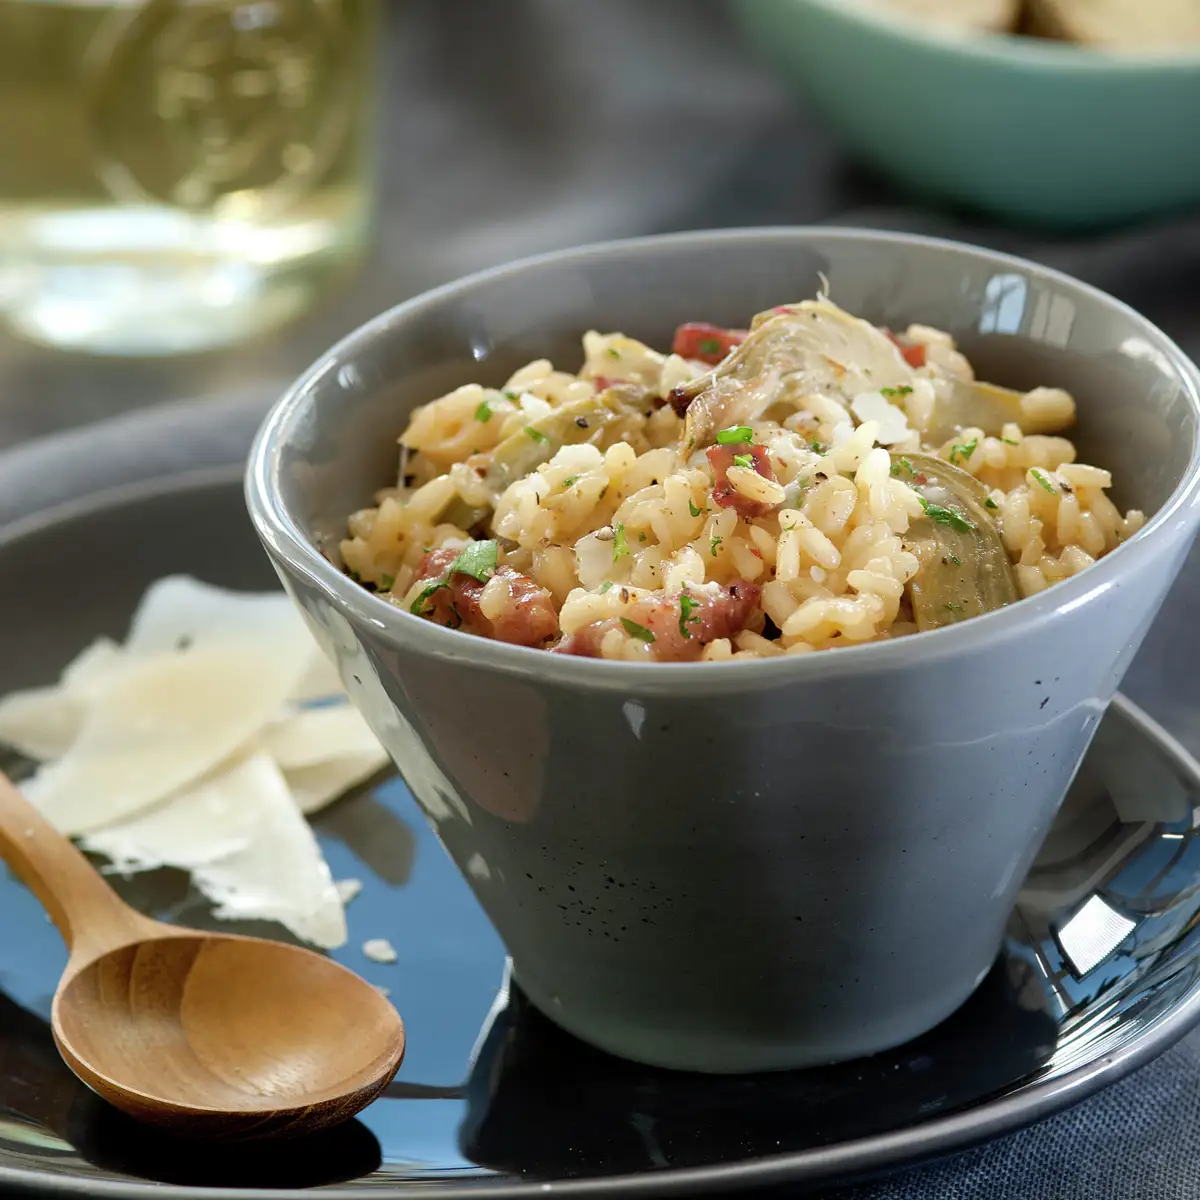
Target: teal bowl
<point>1038,131</point>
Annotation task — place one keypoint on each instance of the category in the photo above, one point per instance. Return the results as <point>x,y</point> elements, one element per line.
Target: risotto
<point>811,482</point>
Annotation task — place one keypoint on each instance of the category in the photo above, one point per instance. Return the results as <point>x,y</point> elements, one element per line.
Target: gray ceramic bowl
<point>748,865</point>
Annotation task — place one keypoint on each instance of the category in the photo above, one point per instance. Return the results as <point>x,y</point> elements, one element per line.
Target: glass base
<point>141,283</point>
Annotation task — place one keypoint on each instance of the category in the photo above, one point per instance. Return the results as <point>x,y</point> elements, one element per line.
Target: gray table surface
<point>514,126</point>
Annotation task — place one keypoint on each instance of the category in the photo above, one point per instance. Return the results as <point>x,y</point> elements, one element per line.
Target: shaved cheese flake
<point>843,431</point>
<point>247,846</point>
<point>200,745</point>
<point>320,682</point>
<point>159,726</point>
<point>323,753</point>
<point>41,723</point>
<point>178,612</point>
<point>202,825</point>
<point>874,406</point>
<point>315,787</point>
<point>379,950</point>
<point>319,735</point>
<point>93,667</point>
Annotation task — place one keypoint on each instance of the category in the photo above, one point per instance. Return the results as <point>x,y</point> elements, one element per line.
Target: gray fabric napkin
<point>1137,1139</point>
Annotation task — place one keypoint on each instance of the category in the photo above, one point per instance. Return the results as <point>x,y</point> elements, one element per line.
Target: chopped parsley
<point>605,586</point>
<point>477,559</point>
<point>714,543</point>
<point>641,537</point>
<point>620,545</point>
<point>990,503</point>
<point>735,435</point>
<point>637,631</point>
<point>905,464</point>
<point>387,582</point>
<point>710,346</point>
<point>744,460</point>
<point>484,411</point>
<point>962,453</point>
<point>536,434</point>
<point>418,605</point>
<point>895,391</point>
<point>510,395</point>
<point>694,510</point>
<point>570,481</point>
<point>1042,481</point>
<point>354,575</point>
<point>818,447</point>
<point>946,516</point>
<point>1009,442</point>
<point>613,352</point>
<point>687,605</point>
<point>956,560</point>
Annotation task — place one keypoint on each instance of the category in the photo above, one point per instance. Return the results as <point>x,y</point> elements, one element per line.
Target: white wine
<point>178,174</point>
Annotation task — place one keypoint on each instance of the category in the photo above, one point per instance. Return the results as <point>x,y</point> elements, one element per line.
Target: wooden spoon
<point>211,1035</point>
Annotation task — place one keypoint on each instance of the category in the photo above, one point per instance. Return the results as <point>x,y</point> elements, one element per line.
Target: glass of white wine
<point>180,174</point>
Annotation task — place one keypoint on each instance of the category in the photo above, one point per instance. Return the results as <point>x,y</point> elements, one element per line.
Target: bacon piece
<point>912,352</point>
<point>529,618</point>
<point>711,613</point>
<point>679,398</point>
<point>724,493</point>
<point>706,343</point>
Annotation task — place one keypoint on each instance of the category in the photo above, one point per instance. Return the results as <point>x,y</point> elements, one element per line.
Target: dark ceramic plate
<point>1099,972</point>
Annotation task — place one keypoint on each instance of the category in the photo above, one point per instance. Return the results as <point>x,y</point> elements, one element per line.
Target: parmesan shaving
<point>158,727</point>
<point>874,406</point>
<point>200,744</point>
<point>379,950</point>
<point>247,846</point>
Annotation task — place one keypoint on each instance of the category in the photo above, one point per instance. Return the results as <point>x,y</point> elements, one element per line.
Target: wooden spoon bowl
<point>210,1035</point>
<point>203,1031</point>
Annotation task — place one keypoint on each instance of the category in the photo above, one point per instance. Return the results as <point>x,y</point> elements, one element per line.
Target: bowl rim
<point>1009,49</point>
<point>290,546</point>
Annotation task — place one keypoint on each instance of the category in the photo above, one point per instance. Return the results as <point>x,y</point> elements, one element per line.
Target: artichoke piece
<point>969,403</point>
<point>965,569</point>
<point>600,419</point>
<point>813,346</point>
<point>460,513</point>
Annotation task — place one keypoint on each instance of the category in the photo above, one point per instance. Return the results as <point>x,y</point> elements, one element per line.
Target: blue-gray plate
<point>1098,975</point>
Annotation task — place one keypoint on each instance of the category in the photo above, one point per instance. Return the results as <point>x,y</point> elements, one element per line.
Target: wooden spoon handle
<point>90,916</point>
